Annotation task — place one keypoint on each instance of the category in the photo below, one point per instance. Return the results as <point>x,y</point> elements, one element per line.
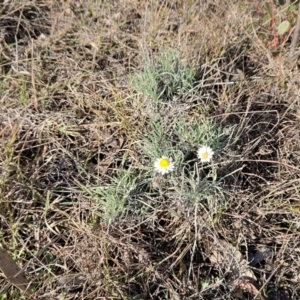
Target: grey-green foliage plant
<point>173,140</point>
<point>110,200</point>
<point>180,139</point>
<point>199,133</point>
<point>164,79</point>
<point>181,135</point>
<point>183,139</point>
<point>159,141</point>
<point>154,144</point>
<point>114,197</point>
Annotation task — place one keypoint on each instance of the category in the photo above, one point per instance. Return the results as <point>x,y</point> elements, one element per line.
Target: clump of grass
<point>165,79</point>
<point>181,138</point>
<point>192,181</point>
<point>177,138</point>
<point>110,200</point>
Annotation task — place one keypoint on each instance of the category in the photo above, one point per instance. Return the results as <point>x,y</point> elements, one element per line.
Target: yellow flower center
<point>164,163</point>
<point>205,155</point>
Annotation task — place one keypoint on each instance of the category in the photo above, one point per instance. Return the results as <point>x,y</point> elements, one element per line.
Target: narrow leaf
<point>269,8</point>
<point>12,272</point>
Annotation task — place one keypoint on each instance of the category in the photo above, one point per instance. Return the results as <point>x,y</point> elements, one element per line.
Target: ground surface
<point>92,93</point>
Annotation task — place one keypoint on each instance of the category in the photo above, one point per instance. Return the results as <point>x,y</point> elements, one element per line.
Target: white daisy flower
<point>164,165</point>
<point>205,153</point>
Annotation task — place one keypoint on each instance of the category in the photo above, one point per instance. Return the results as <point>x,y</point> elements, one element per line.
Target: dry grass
<point>82,213</point>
